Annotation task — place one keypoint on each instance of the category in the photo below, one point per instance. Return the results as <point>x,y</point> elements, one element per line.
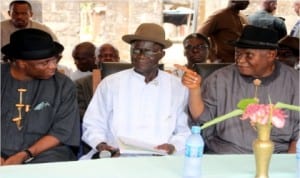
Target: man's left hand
<point>169,148</point>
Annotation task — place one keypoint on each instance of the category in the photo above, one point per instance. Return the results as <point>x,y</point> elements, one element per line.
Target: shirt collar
<point>265,80</point>
<point>155,81</point>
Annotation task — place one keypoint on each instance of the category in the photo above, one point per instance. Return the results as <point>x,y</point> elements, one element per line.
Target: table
<point>214,166</point>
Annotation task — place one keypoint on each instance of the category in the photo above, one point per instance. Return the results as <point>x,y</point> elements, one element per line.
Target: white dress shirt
<point>124,105</point>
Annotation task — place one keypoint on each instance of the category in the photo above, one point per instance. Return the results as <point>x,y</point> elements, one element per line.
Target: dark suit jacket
<point>84,93</point>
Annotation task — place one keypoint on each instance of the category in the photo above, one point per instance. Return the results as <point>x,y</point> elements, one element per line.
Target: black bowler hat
<point>291,43</point>
<point>257,38</point>
<point>31,44</point>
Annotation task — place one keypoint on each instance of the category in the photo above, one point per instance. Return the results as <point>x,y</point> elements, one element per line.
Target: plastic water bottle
<point>193,154</point>
<point>298,158</point>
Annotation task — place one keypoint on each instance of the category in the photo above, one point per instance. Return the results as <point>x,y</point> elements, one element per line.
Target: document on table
<point>129,145</point>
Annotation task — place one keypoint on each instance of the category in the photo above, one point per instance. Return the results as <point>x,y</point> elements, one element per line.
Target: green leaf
<point>245,102</point>
<point>233,113</point>
<point>287,106</point>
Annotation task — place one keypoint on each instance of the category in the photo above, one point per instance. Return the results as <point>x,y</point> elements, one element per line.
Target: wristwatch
<point>29,155</point>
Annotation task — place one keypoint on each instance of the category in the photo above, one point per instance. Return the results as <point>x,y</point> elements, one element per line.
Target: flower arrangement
<point>263,114</point>
<point>259,113</point>
<point>262,117</point>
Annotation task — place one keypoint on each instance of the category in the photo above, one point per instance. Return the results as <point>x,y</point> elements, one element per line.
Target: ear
<point>22,64</point>
<point>163,53</point>
<point>272,54</point>
<point>8,12</point>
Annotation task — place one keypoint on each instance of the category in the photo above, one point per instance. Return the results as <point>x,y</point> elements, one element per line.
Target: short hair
<point>20,2</point>
<point>89,47</point>
<point>196,35</point>
<point>97,50</point>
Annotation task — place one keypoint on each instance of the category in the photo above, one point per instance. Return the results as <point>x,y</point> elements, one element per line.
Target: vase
<point>263,149</point>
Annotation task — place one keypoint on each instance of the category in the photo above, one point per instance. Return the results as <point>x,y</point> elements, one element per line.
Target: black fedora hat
<point>289,42</point>
<point>31,44</point>
<point>257,38</point>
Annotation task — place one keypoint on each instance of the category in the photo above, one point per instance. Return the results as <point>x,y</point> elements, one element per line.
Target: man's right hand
<point>115,152</point>
<point>192,81</point>
<point>190,78</point>
<point>17,158</point>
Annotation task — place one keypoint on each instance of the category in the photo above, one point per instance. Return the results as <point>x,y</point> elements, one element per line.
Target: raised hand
<point>190,78</point>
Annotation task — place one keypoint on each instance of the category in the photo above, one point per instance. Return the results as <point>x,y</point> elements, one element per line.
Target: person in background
<point>219,94</point>
<point>105,53</point>
<point>265,18</point>
<point>143,103</point>
<point>223,26</point>
<point>288,51</point>
<point>295,32</point>
<point>196,50</point>
<point>85,60</point>
<point>20,13</point>
<point>39,112</point>
<point>84,85</point>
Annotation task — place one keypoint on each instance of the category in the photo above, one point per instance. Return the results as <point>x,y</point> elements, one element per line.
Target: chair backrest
<point>205,69</point>
<point>108,68</point>
<point>113,67</point>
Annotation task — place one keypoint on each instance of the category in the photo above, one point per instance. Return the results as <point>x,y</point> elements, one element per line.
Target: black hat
<point>31,44</point>
<point>291,43</point>
<point>257,38</point>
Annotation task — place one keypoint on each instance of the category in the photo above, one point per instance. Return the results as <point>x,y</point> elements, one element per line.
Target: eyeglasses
<point>199,47</point>
<point>145,52</point>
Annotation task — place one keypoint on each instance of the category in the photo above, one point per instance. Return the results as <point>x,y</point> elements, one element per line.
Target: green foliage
<point>245,102</point>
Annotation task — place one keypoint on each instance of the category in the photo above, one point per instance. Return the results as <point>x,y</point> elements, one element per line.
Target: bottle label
<point>193,152</point>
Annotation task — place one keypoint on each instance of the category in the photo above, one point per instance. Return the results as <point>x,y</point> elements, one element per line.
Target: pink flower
<point>260,113</point>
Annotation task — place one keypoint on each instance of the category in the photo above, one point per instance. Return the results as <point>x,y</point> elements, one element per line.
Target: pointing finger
<point>181,67</point>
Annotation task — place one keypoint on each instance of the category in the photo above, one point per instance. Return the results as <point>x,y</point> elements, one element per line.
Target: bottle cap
<point>196,129</point>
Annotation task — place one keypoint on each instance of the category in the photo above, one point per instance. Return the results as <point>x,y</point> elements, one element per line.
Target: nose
<point>141,55</point>
<point>195,50</point>
<point>53,64</point>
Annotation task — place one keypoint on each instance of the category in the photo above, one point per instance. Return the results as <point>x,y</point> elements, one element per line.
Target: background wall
<point>103,21</point>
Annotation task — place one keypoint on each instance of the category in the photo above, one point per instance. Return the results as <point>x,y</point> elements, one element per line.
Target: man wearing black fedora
<point>144,103</point>
<point>288,52</point>
<point>39,112</point>
<point>255,56</point>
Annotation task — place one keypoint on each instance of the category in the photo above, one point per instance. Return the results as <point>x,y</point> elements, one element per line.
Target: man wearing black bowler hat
<point>39,112</point>
<point>255,56</point>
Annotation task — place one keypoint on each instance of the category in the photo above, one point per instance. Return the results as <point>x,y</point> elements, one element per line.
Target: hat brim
<point>289,42</point>
<point>130,38</point>
<point>252,45</point>
<point>12,52</point>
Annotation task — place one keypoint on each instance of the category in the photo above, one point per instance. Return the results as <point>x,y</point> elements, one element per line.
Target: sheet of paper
<point>133,146</point>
